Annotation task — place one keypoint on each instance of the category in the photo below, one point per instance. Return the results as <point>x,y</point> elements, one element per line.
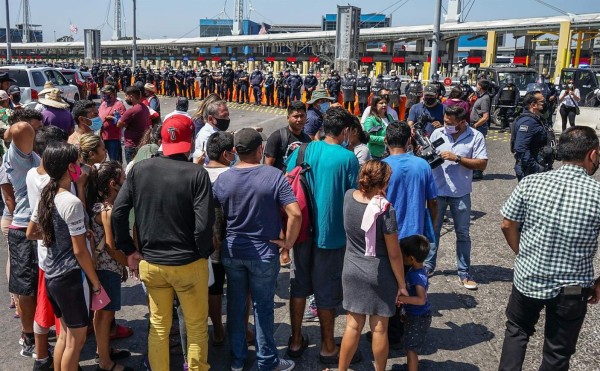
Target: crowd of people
<point>347,203</point>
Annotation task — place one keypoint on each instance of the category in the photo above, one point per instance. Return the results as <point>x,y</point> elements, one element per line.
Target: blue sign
<point>251,59</point>
<point>172,58</point>
<point>158,58</point>
<point>145,58</point>
<point>186,58</point>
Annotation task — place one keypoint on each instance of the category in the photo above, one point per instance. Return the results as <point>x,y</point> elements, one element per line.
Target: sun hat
<point>319,94</point>
<point>54,99</point>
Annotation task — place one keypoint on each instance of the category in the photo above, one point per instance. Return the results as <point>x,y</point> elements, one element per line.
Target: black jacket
<point>174,212</point>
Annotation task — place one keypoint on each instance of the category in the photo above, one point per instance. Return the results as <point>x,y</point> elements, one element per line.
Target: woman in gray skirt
<point>373,275</point>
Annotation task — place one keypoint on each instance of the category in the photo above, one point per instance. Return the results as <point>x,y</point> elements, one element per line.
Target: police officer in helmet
<point>532,141</point>
<point>507,100</point>
<point>363,90</point>
<point>414,93</point>
<point>467,90</point>
<point>310,84</point>
<point>441,90</point>
<point>269,85</point>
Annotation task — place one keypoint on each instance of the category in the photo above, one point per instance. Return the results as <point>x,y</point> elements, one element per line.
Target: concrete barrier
<point>590,116</point>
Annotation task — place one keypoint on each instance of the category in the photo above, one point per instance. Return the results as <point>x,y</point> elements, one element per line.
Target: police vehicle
<point>585,79</point>
<point>522,75</point>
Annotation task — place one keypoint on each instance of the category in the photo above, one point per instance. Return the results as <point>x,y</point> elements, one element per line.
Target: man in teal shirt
<point>317,265</point>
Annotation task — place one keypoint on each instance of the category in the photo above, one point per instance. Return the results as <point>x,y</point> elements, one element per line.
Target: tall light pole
<point>134,50</point>
<point>436,37</point>
<point>8,36</point>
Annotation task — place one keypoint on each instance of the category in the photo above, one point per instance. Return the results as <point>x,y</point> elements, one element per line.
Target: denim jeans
<point>130,154</point>
<point>460,208</point>
<point>564,317</point>
<point>257,277</point>
<point>483,129</point>
<point>113,147</point>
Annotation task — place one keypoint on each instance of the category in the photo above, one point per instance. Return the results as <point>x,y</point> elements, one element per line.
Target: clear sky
<point>179,18</point>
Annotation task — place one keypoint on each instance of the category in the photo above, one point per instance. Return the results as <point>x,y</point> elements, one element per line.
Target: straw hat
<point>48,86</point>
<point>53,99</point>
<point>150,87</point>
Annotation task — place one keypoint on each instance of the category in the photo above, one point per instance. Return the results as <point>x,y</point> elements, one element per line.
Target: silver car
<point>31,80</point>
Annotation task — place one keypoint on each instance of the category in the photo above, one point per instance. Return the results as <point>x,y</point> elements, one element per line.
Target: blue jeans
<point>460,208</point>
<point>257,277</point>
<point>130,154</point>
<point>483,129</point>
<point>113,147</point>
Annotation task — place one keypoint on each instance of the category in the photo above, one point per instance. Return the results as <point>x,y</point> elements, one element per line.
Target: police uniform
<point>441,89</point>
<point>190,81</point>
<point>349,91</point>
<point>217,77</point>
<point>280,84</point>
<point>243,84</point>
<point>334,87</point>
<point>530,143</point>
<point>310,84</point>
<point>172,86</point>
<point>228,78</point>
<point>180,81</point>
<point>270,89</point>
<point>394,85</point>
<point>378,85</point>
<point>287,90</point>
<point>295,83</point>
<point>204,72</point>
<point>363,90</point>
<point>467,90</point>
<point>256,80</point>
<point>508,98</point>
<point>414,93</point>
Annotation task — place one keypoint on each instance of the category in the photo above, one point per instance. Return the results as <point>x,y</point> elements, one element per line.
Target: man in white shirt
<point>181,108</point>
<point>216,117</point>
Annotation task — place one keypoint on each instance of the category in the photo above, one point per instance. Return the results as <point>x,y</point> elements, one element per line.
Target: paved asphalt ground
<point>468,326</point>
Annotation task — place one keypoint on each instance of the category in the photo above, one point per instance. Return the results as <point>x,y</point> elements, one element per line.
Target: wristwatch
<point>458,158</point>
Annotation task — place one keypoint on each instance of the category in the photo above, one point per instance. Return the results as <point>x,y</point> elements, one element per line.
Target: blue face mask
<point>96,124</point>
<point>235,160</point>
<point>323,107</point>
<point>346,141</point>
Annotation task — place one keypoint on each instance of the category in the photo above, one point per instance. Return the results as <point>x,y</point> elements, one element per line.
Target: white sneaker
<point>285,365</point>
<point>236,368</point>
<point>468,283</point>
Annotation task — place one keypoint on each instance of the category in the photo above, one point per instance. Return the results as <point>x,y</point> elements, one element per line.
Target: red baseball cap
<point>176,135</point>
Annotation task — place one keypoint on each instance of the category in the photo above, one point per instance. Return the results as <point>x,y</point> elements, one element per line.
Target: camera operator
<point>568,100</point>
<point>430,105</point>
<point>531,139</point>
<point>464,150</point>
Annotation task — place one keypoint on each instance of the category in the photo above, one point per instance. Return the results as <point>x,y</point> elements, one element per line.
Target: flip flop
<point>122,332</point>
<point>115,354</point>
<point>298,352</point>
<point>335,359</point>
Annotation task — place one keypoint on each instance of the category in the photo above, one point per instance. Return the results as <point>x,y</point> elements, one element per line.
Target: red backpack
<point>297,179</point>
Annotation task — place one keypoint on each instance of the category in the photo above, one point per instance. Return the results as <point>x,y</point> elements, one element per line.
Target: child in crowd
<point>417,318</point>
<point>106,182</point>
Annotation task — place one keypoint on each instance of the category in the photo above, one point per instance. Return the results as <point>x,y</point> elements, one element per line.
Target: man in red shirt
<point>135,121</point>
<point>110,111</point>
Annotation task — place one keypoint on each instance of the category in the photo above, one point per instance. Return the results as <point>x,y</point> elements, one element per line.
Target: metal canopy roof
<point>581,22</point>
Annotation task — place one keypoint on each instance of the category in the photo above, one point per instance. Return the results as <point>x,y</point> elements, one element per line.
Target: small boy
<point>417,318</point>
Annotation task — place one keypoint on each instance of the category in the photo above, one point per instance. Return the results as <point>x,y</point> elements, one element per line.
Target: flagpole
<point>8,37</point>
<point>134,45</point>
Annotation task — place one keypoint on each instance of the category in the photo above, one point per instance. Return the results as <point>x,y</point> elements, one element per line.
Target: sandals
<point>122,332</point>
<point>298,352</point>
<point>115,354</point>
<point>125,368</point>
<point>335,359</point>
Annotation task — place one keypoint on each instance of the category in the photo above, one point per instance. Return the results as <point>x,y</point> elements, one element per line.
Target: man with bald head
<point>23,252</point>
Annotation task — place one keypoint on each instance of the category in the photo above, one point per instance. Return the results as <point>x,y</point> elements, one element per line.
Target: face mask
<point>107,98</point>
<point>323,107</point>
<point>346,140</point>
<point>75,174</point>
<point>450,130</point>
<point>544,108</point>
<point>430,101</point>
<point>16,98</point>
<point>96,124</point>
<point>129,102</point>
<point>222,124</point>
<point>235,160</point>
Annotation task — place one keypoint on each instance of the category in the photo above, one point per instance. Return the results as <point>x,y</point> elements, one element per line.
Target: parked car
<point>74,77</point>
<point>92,86</point>
<point>31,80</point>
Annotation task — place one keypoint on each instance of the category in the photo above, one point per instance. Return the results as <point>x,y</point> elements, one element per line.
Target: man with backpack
<point>330,170</point>
<point>284,141</point>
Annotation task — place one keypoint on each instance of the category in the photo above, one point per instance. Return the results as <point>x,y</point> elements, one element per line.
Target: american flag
<point>73,28</point>
<point>263,30</point>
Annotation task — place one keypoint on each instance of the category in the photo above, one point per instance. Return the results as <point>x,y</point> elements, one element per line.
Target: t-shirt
<point>437,112</point>
<point>274,144</point>
<point>69,220</point>
<point>252,199</point>
<point>314,121</point>
<point>361,151</point>
<point>414,278</point>
<point>136,120</point>
<point>482,105</point>
<point>35,186</point>
<point>200,141</point>
<point>17,165</point>
<point>4,180</point>
<point>59,117</point>
<point>334,170</point>
<point>110,131</point>
<point>410,186</point>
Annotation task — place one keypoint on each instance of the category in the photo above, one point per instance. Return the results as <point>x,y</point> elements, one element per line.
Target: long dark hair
<point>374,101</point>
<point>98,188</point>
<point>57,158</point>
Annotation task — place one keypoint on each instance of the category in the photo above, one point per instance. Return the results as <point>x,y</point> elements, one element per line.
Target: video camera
<point>427,149</point>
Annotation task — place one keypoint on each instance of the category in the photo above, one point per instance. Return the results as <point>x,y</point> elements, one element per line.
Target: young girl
<point>92,149</point>
<point>105,183</point>
<point>70,274</point>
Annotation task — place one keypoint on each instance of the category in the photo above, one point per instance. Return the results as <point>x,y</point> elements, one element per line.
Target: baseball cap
<point>3,95</point>
<point>247,140</point>
<point>4,77</point>
<point>176,135</point>
<point>430,89</point>
<point>108,89</point>
<point>13,89</point>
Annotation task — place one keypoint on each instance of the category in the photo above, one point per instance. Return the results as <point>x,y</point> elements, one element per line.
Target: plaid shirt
<point>560,212</point>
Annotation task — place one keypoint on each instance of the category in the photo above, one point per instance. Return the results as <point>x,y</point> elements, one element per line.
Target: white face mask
<point>450,130</point>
